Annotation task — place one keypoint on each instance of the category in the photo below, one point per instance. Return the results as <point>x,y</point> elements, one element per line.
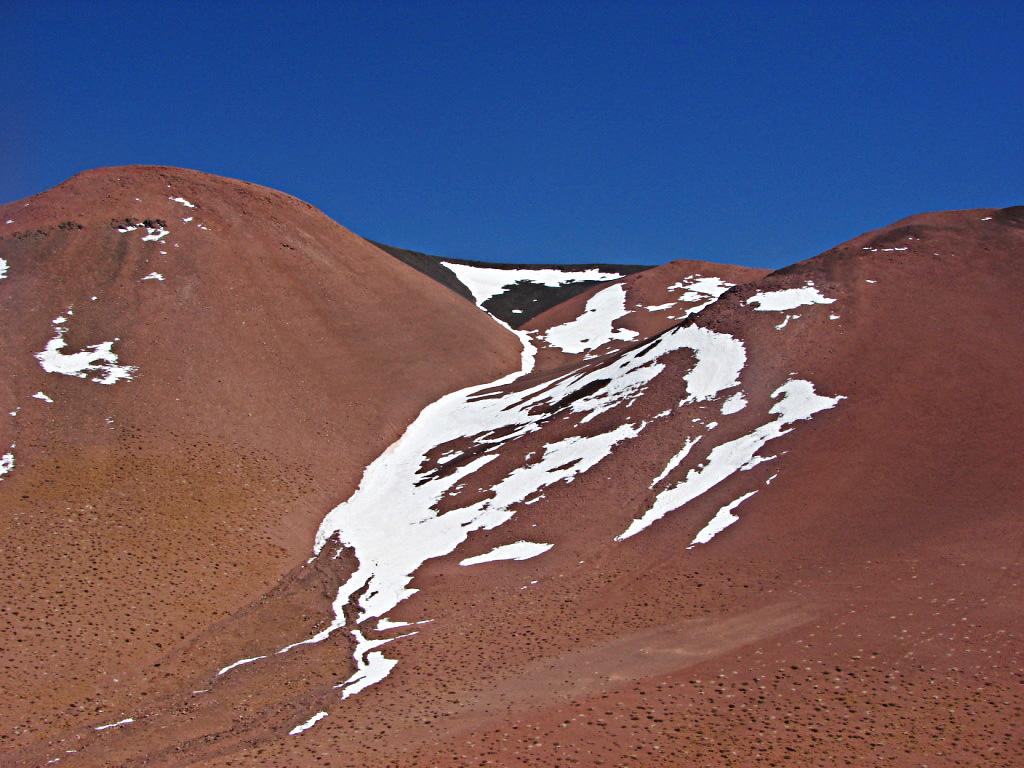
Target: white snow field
<point>487,282</point>
<point>392,523</point>
<point>594,327</point>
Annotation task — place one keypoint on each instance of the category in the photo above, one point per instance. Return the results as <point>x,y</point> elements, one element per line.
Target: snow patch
<point>593,328</point>
<point>796,401</point>
<point>520,550</point>
<point>308,724</point>
<point>785,321</point>
<point>371,666</point>
<point>239,663</point>
<point>702,289</point>
<point>154,276</point>
<point>6,463</point>
<point>722,520</point>
<point>118,724</point>
<point>97,359</point>
<point>734,404</point>
<point>155,235</point>
<point>3,268</point>
<point>788,298</point>
<point>487,282</point>
<point>182,201</point>
<point>676,460</point>
<point>392,522</point>
<point>42,396</point>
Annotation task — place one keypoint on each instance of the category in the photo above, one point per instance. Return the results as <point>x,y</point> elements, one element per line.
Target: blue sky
<point>753,133</point>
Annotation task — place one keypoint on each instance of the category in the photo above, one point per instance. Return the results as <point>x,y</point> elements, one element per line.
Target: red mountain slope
<point>614,315</point>
<point>278,354</point>
<point>785,529</point>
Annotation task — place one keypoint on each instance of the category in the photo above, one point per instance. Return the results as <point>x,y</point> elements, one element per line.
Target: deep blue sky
<point>755,133</point>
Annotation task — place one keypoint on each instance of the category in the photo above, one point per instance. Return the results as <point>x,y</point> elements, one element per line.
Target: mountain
<point>689,515</point>
<point>512,293</point>
<point>184,398</point>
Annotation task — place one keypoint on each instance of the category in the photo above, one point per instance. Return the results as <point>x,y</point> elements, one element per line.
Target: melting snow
<point>798,402</point>
<point>98,359</point>
<point>593,328</point>
<point>118,724</point>
<point>385,624</point>
<point>371,666</point>
<point>152,234</point>
<point>520,550</point>
<point>785,321</point>
<point>308,724</point>
<point>391,522</point>
<point>697,288</point>
<point>239,663</point>
<point>676,460</point>
<point>3,268</point>
<point>155,235</point>
<point>700,287</point>
<point>6,463</point>
<point>722,520</point>
<point>487,282</point>
<point>734,404</point>
<point>788,298</point>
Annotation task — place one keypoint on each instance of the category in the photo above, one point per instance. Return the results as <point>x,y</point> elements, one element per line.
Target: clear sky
<point>756,133</point>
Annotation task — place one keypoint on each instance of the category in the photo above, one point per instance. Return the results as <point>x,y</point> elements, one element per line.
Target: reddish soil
<point>655,301</point>
<point>864,608</point>
<point>278,357</point>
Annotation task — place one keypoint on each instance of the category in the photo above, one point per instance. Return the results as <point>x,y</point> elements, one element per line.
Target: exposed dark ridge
<point>519,303</point>
<point>1014,215</point>
<point>431,266</point>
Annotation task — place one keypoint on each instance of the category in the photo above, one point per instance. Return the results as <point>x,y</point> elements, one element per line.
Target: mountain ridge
<point>716,516</point>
